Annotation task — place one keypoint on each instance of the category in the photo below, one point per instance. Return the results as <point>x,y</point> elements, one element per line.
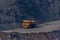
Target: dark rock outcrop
<point>12,12</point>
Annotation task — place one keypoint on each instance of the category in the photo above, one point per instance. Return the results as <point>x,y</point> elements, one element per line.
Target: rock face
<point>53,35</point>
<point>12,12</point>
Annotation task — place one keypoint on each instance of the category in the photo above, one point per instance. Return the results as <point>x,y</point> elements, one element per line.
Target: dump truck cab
<point>28,24</point>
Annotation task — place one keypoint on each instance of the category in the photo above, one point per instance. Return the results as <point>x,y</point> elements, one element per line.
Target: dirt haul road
<point>55,25</point>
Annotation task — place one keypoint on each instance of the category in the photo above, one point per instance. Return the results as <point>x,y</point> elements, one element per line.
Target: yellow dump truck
<point>28,24</point>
